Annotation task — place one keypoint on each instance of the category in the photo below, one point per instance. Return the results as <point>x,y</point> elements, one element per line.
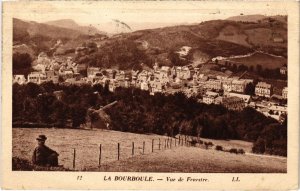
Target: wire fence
<point>144,148</point>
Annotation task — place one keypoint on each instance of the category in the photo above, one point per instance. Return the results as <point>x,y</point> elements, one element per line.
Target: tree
<point>60,113</point>
<point>234,68</point>
<point>48,87</point>
<point>45,109</point>
<point>22,63</point>
<point>242,68</point>
<point>250,89</point>
<point>259,69</point>
<point>32,90</point>
<point>251,68</point>
<point>78,116</point>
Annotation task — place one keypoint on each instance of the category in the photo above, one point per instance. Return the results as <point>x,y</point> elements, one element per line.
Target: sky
<point>139,15</point>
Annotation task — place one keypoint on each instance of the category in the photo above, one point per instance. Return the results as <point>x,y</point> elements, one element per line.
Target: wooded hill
<point>126,51</point>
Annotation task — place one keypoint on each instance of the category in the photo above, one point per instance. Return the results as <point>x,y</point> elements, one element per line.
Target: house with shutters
<point>263,89</point>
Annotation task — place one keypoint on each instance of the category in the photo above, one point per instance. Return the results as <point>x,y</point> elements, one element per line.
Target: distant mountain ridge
<point>32,29</point>
<point>247,18</point>
<point>205,40</point>
<point>257,18</point>
<point>71,24</point>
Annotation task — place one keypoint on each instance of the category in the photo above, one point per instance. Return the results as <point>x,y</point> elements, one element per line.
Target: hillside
<point>198,160</point>
<point>205,40</point>
<point>125,51</point>
<point>23,31</point>
<point>174,159</point>
<point>70,24</point>
<point>247,18</point>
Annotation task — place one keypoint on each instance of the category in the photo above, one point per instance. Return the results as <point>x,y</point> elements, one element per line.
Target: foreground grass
<point>197,160</point>
<point>179,159</point>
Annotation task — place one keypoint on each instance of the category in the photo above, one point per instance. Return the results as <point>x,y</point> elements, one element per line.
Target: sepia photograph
<point>151,97</point>
<point>150,90</point>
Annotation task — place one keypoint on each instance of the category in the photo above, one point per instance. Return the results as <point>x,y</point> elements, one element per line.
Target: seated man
<point>43,155</point>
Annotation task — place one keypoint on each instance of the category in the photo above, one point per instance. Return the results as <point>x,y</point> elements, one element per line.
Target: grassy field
<point>266,61</point>
<point>86,143</point>
<point>197,160</point>
<point>233,34</point>
<point>177,159</point>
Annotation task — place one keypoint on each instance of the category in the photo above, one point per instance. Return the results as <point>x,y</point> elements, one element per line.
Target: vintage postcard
<point>150,95</point>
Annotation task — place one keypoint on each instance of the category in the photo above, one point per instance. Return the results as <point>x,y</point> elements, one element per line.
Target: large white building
<point>213,84</point>
<point>20,79</point>
<point>226,85</point>
<point>37,77</point>
<point>209,97</point>
<point>238,86</point>
<point>263,89</point>
<point>285,93</point>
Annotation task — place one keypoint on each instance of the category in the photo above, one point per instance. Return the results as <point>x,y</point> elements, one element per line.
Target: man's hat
<point>41,138</point>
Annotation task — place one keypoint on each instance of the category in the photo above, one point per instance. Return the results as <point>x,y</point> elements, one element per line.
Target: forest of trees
<point>139,112</point>
<point>22,63</point>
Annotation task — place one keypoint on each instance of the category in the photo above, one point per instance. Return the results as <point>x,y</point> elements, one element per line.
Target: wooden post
<point>171,143</point>
<point>168,142</point>
<point>100,152</point>
<point>175,141</point>
<point>179,141</point>
<point>118,151</point>
<point>165,143</point>
<point>158,144</point>
<point>185,140</point>
<point>74,156</point>
<point>152,144</point>
<point>132,148</point>
<point>144,147</point>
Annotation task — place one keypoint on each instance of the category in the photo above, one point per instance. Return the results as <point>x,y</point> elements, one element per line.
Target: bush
<point>193,142</point>
<point>200,142</point>
<point>21,164</point>
<point>219,148</point>
<point>208,144</point>
<point>24,165</point>
<point>280,152</point>
<point>233,150</point>
<point>241,151</point>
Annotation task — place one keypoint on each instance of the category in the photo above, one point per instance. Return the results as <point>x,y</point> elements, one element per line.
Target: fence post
<point>168,142</point>
<point>165,143</point>
<point>171,143</point>
<point>100,152</point>
<point>144,147</point>
<point>132,148</point>
<point>74,156</point>
<point>152,144</point>
<point>118,151</point>
<point>179,141</point>
<point>158,144</point>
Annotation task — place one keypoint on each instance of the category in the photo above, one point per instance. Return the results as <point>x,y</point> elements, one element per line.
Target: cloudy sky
<point>141,15</point>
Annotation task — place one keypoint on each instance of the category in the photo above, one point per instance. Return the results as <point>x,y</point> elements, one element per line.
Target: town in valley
<point>208,96</point>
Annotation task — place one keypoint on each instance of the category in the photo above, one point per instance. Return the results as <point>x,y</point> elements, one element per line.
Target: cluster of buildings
<point>227,90</point>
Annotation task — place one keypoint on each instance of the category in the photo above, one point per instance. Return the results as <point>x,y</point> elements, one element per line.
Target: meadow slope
<point>199,160</point>
<point>176,159</point>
